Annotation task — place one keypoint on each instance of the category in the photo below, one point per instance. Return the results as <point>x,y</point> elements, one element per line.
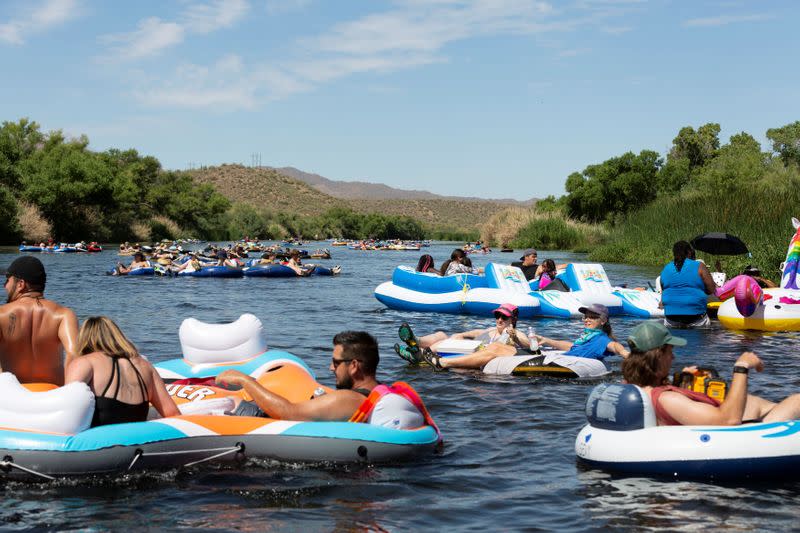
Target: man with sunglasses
<point>34,330</point>
<point>354,364</point>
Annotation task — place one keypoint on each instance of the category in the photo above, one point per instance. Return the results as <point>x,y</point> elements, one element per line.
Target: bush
<point>758,214</point>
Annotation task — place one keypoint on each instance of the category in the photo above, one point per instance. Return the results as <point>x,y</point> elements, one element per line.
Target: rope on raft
<point>222,451</point>
<point>7,462</point>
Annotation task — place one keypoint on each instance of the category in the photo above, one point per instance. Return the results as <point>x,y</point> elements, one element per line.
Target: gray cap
<point>529,251</point>
<point>598,309</point>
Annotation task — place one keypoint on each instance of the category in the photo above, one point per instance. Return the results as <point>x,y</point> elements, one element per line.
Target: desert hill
<point>267,188</point>
<point>376,191</point>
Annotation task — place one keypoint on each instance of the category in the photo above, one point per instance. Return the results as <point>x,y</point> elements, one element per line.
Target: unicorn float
<point>752,307</point>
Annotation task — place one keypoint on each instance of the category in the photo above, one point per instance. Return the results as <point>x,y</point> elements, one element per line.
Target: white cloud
<point>219,14</point>
<point>412,33</point>
<point>223,86</point>
<point>724,20</point>
<point>429,26</point>
<point>616,30</point>
<point>151,36</point>
<point>574,52</point>
<point>154,35</point>
<point>45,15</point>
<point>277,7</point>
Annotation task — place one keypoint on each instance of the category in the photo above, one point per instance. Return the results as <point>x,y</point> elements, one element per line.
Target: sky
<point>487,98</point>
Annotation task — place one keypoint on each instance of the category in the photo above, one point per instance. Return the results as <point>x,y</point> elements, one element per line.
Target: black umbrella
<point>719,244</point>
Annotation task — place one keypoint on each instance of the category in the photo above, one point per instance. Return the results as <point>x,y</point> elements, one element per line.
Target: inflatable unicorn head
<point>789,277</point>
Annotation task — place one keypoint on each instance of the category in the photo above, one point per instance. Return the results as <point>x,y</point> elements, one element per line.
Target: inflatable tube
<point>213,272</point>
<point>622,437</point>
<point>454,294</point>
<point>29,451</point>
<point>270,271</point>
<point>204,343</point>
<point>187,440</point>
<point>640,303</point>
<point>779,311</point>
<point>23,248</point>
<point>589,283</point>
<point>746,292</point>
<point>66,409</point>
<point>143,271</point>
<point>320,270</point>
<point>549,364</point>
<point>792,261</point>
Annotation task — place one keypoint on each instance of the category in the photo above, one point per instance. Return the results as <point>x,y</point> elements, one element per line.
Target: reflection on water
<point>508,462</point>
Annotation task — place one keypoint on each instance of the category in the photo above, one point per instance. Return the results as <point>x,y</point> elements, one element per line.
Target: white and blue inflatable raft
<point>622,437</point>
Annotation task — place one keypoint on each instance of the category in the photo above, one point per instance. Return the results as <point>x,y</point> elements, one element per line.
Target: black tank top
<point>112,411</point>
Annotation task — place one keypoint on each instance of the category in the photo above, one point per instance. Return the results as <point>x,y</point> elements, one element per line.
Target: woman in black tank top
<point>121,392</point>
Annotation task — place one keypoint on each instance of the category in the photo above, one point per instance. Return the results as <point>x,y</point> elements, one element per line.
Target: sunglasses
<point>500,316</point>
<point>336,362</point>
<point>591,317</point>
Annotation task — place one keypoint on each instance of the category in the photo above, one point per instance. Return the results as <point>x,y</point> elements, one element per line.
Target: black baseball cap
<point>29,269</point>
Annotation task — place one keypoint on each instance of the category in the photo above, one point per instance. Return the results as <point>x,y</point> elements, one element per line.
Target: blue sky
<point>491,98</point>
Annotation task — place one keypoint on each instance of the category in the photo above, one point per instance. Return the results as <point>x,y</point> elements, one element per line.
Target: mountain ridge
<point>351,190</point>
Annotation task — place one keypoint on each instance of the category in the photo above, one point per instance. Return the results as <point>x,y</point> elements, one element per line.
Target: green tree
<point>690,150</point>
<point>615,186</point>
<point>70,185</point>
<point>737,164</point>
<point>10,230</point>
<point>18,141</point>
<point>786,142</point>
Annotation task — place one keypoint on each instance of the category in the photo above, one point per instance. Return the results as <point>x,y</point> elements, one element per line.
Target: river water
<point>508,462</point>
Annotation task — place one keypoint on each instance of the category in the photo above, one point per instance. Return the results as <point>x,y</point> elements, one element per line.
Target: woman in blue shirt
<point>596,342</point>
<point>685,284</point>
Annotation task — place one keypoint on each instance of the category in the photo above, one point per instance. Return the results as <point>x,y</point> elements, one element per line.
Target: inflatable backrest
<point>396,412</point>
<point>506,277</point>
<point>620,408</point>
<point>221,343</point>
<point>790,266</point>
<point>588,277</point>
<point>68,409</point>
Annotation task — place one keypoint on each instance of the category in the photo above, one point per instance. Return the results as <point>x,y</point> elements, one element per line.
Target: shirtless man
<point>33,330</point>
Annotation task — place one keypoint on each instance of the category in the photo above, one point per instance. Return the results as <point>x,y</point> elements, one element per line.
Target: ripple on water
<point>508,462</point>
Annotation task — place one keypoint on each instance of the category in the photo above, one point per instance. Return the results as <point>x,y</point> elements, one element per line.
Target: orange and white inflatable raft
<point>47,434</point>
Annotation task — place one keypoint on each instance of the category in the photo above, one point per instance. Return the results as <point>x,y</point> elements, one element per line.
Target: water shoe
<point>407,336</point>
<point>406,354</point>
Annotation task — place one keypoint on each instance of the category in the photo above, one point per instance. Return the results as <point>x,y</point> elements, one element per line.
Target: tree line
<point>697,163</point>
<point>74,193</point>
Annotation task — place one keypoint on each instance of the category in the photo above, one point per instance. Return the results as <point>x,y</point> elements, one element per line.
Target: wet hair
<point>641,368</point>
<point>101,334</point>
<point>466,261</point>
<point>425,263</point>
<point>138,254</point>
<point>359,345</point>
<point>681,251</point>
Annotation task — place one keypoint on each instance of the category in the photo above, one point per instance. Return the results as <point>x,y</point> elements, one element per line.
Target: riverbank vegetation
<point>645,203</point>
<point>54,186</point>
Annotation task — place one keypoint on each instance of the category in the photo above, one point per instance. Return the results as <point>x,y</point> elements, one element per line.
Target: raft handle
<point>8,462</point>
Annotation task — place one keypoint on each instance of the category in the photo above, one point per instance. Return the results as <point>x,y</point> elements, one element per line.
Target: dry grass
<point>267,189</point>
<point>34,226</point>
<point>502,227</point>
